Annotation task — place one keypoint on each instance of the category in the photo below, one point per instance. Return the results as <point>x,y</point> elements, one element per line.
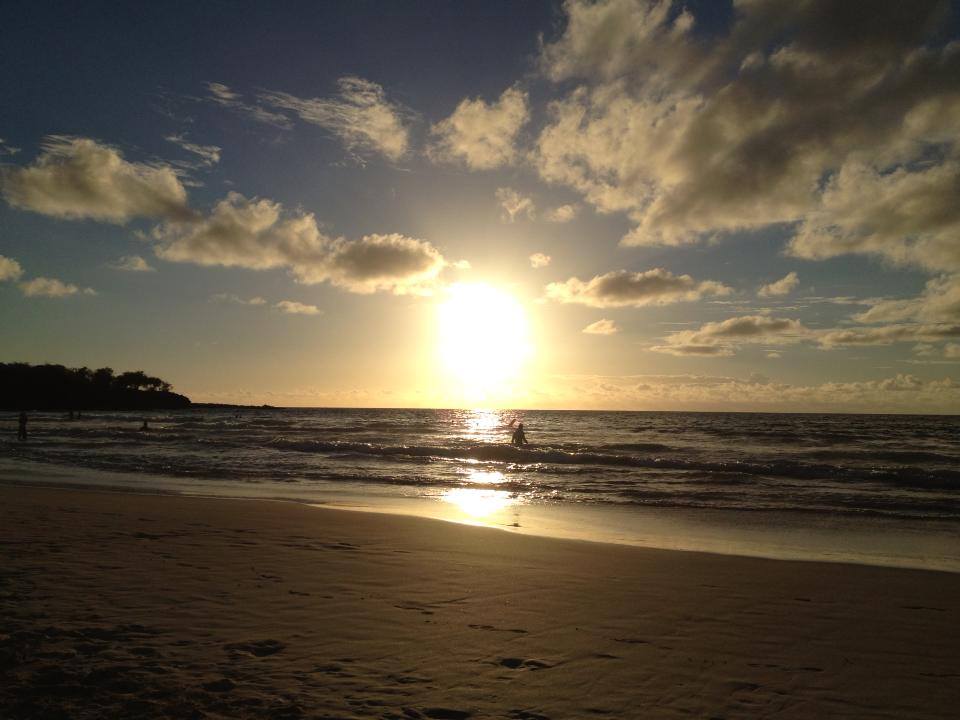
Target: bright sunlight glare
<point>483,337</point>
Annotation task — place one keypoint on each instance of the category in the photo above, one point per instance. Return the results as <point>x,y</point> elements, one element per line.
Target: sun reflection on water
<point>481,503</point>
<point>485,425</point>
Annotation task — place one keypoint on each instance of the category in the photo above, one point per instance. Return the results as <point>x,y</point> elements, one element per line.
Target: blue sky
<point>746,205</point>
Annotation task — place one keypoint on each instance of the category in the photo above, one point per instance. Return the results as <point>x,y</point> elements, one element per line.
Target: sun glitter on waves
<point>483,338</point>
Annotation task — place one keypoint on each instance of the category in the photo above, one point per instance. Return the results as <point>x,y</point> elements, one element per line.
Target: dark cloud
<point>622,288</point>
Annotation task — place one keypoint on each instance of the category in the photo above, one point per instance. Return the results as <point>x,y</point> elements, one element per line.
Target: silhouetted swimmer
<point>519,437</point>
<point>22,429</point>
<point>144,427</point>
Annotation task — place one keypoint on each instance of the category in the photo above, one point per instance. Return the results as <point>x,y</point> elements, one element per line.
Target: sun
<point>483,338</point>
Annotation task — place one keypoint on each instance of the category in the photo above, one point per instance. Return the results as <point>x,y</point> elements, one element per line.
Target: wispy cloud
<point>539,260</point>
<point>6,149</point>
<point>291,307</point>
<point>232,298</point>
<point>561,214</point>
<point>601,327</point>
<point>52,288</point>
<point>360,116</point>
<point>132,263</point>
<point>209,154</point>
<point>220,94</point>
<point>514,205</point>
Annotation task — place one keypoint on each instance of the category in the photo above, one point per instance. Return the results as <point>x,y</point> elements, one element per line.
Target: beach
<point>157,606</point>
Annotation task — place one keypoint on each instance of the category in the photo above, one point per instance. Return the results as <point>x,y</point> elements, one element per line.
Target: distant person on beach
<point>22,430</point>
<point>519,437</point>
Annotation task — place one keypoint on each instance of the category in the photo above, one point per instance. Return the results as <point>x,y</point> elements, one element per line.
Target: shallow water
<point>867,489</point>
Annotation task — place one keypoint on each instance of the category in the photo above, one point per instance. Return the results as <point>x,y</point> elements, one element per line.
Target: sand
<point>125,605</point>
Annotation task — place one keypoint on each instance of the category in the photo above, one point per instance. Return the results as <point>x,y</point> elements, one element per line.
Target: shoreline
<point>168,606</point>
<point>810,537</point>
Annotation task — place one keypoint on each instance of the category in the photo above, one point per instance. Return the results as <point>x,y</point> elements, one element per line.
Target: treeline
<point>54,387</point>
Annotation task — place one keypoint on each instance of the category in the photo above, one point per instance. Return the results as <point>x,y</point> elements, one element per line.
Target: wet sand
<point>124,605</point>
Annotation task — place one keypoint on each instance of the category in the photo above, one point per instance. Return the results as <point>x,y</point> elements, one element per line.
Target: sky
<point>624,204</point>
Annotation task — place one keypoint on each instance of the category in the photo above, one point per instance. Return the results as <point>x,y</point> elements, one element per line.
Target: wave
<point>896,456</point>
<point>508,454</point>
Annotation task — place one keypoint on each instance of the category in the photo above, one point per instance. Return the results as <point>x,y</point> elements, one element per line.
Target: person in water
<point>519,437</point>
<point>22,429</point>
<point>144,427</point>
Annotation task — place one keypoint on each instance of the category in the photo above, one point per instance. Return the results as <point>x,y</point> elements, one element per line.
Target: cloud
<point>601,327</point>
<point>231,298</point>
<point>9,269</point>
<point>898,393</point>
<point>539,260</point>
<point>222,95</point>
<point>132,263</point>
<point>686,349</point>
<point>53,288</point>
<point>209,154</point>
<point>720,339</point>
<point>482,136</point>
<point>361,117</point>
<point>939,302</point>
<point>622,288</point>
<point>907,216</point>
<point>889,334</point>
<point>561,214</point>
<point>789,115</point>
<point>7,149</point>
<point>783,286</point>
<point>249,233</point>
<point>514,204</point>
<point>394,263</point>
<point>80,178</point>
<point>291,307</point>
<point>723,338</point>
<point>259,235</point>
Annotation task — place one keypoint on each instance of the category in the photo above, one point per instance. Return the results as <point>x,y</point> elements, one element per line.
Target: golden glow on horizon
<point>483,340</point>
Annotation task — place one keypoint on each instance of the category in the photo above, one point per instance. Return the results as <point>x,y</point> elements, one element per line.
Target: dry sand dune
<point>121,605</point>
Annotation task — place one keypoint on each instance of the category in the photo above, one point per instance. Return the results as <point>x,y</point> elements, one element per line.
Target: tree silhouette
<point>55,387</point>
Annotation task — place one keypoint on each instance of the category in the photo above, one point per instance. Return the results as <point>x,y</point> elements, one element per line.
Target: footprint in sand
<point>496,629</point>
<point>220,686</point>
<point>521,664</point>
<point>439,713</point>
<point>526,715</point>
<point>632,641</point>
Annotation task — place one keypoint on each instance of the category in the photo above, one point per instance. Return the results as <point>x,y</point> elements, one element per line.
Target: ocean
<point>810,469</point>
